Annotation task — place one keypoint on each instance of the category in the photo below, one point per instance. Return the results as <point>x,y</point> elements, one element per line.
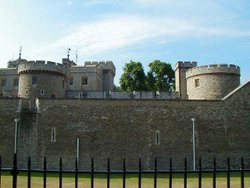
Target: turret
<point>180,76</point>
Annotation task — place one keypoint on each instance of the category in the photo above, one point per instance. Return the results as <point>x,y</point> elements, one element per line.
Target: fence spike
<point>214,174</point>
<point>242,173</point>
<point>170,172</point>
<point>76,173</point>
<point>155,174</point>
<point>139,174</point>
<point>60,173</point>
<point>29,172</point>
<point>44,173</point>
<point>124,173</point>
<point>185,172</point>
<point>200,172</point>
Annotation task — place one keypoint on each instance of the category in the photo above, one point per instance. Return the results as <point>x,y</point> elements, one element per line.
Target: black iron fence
<point>14,171</point>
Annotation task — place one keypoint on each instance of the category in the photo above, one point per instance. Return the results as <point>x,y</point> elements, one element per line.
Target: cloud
<point>117,31</point>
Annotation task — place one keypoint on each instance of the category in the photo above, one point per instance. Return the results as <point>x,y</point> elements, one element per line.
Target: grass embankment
<point>100,180</point>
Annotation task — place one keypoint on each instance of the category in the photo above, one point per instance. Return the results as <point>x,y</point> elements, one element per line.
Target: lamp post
<point>15,141</point>
<point>193,120</point>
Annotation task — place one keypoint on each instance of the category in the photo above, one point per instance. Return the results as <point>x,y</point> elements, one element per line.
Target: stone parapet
<point>41,66</point>
<point>122,95</point>
<point>8,71</point>
<point>185,64</point>
<point>213,69</point>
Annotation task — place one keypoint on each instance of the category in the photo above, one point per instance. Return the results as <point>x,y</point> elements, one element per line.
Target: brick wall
<point>128,128</point>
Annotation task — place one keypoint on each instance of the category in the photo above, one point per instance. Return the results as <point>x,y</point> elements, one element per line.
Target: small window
<point>84,80</point>
<point>26,92</point>
<point>197,82</point>
<point>34,80</point>
<point>71,81</point>
<point>15,82</point>
<point>157,137</point>
<point>53,135</point>
<point>3,82</point>
<point>42,92</point>
<point>63,84</point>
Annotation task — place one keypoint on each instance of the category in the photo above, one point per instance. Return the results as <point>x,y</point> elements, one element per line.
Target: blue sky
<point>206,31</point>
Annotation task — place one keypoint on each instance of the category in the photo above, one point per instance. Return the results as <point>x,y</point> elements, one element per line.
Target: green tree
<point>160,76</point>
<point>133,77</point>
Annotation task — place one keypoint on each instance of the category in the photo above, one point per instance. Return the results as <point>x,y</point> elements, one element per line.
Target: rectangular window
<point>34,80</point>
<point>197,82</point>
<point>157,137</point>
<point>3,82</point>
<point>84,80</point>
<point>15,82</point>
<point>53,135</point>
<point>71,81</point>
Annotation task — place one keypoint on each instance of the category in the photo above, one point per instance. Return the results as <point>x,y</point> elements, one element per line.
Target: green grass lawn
<point>131,180</point>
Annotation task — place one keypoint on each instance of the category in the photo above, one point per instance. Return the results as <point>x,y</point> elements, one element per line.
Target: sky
<point>206,31</point>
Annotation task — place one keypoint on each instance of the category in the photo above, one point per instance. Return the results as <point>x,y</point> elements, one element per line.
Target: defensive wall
<point>128,128</point>
<point>212,82</point>
<point>121,95</point>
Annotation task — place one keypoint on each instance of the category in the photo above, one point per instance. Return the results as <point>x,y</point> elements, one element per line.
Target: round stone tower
<point>212,82</point>
<point>40,79</point>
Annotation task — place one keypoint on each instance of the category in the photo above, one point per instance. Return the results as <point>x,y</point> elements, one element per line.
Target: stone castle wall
<point>128,128</point>
<point>212,82</point>
<point>10,89</point>
<point>50,79</point>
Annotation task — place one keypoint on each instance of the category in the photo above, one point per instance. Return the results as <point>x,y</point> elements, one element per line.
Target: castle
<point>40,79</point>
<point>56,119</point>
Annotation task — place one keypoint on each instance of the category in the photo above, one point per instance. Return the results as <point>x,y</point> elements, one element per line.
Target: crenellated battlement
<point>41,66</point>
<point>8,71</point>
<point>108,65</point>
<point>185,64</point>
<point>213,69</point>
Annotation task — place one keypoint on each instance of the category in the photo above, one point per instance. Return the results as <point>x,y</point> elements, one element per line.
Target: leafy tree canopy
<point>160,76</point>
<point>133,77</point>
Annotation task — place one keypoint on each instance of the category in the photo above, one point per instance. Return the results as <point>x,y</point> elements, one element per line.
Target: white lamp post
<point>15,141</point>
<point>193,120</point>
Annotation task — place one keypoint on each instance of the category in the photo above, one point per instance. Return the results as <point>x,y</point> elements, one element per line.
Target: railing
<point>124,172</point>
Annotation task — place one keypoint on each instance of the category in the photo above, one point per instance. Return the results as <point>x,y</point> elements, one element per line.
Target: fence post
<point>0,171</point>
<point>155,174</point>
<point>200,172</point>
<point>228,173</point>
<point>139,174</point>
<point>14,172</point>
<point>242,173</point>
<point>214,174</point>
<point>108,173</point>
<point>76,173</point>
<point>185,172</point>
<point>29,172</point>
<point>60,173</point>
<point>124,173</point>
<point>170,173</point>
<point>92,173</point>
<point>44,172</point>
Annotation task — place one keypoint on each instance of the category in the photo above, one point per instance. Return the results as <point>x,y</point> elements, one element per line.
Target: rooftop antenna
<point>20,52</point>
<point>76,56</point>
<point>68,52</point>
